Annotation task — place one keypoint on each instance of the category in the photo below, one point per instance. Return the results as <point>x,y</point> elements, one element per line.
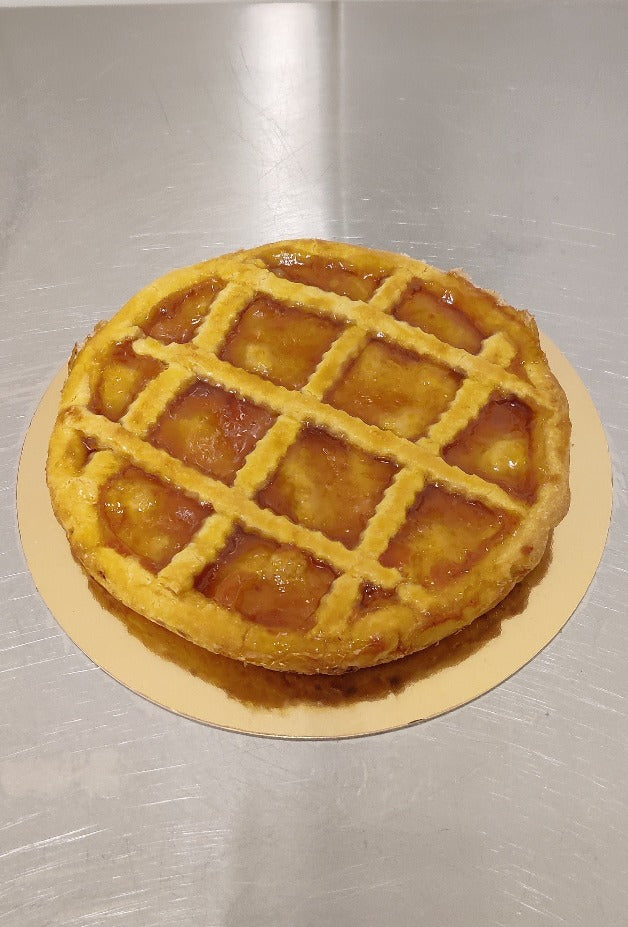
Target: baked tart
<point>311,456</point>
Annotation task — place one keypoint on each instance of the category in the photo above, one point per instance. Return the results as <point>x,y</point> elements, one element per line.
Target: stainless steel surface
<point>490,136</point>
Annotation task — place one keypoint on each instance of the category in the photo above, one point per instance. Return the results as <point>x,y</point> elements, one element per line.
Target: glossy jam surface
<point>279,342</point>
<point>333,276</point>
<point>179,316</point>
<point>394,389</point>
<point>211,429</point>
<point>123,376</point>
<point>373,597</point>
<point>435,311</point>
<point>518,366</point>
<point>327,485</point>
<point>275,585</point>
<point>371,600</point>
<point>443,536</point>
<point>497,447</point>
<point>147,518</point>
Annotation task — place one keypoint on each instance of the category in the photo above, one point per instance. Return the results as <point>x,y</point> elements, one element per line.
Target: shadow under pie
<point>266,689</point>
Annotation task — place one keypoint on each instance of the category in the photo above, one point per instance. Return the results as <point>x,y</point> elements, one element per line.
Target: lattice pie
<point>311,456</point>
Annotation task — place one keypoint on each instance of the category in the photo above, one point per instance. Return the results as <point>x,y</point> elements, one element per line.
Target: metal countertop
<point>488,136</point>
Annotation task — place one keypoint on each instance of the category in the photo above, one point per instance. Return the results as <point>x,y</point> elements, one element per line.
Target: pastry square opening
<point>497,446</point>
<point>437,311</point>
<point>211,429</point>
<point>279,342</point>
<point>121,379</point>
<point>395,389</point>
<point>179,316</point>
<point>332,276</point>
<point>326,484</point>
<point>443,536</point>
<point>275,585</point>
<point>147,518</point>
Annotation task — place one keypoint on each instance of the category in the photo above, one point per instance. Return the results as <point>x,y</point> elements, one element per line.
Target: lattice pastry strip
<point>151,402</point>
<point>180,573</point>
<point>375,320</point>
<point>224,310</point>
<point>102,465</point>
<point>331,615</point>
<point>342,351</point>
<point>384,596</point>
<point>300,406</point>
<point>391,512</point>
<point>265,457</point>
<point>388,518</point>
<point>350,342</point>
<point>226,499</point>
<point>470,398</point>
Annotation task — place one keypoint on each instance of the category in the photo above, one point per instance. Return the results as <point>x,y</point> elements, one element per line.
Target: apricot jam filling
<point>123,376</point>
<point>211,429</point>
<point>178,317</point>
<point>444,535</point>
<point>372,598</point>
<point>518,366</point>
<point>279,342</point>
<point>147,518</point>
<point>395,389</point>
<point>275,585</point>
<point>435,311</point>
<point>332,276</point>
<point>498,447</point>
<point>325,484</point>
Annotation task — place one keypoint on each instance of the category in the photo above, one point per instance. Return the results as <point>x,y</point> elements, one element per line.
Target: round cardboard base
<point>186,679</point>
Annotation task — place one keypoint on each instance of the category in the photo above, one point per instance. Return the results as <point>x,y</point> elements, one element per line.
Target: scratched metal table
<point>490,136</point>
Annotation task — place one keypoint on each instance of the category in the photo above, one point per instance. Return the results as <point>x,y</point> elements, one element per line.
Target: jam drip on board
<point>275,585</point>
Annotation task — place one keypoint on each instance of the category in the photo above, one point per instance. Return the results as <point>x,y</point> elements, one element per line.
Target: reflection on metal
<point>285,59</point>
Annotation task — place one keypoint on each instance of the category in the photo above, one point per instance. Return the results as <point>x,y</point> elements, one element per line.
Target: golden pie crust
<point>311,456</point>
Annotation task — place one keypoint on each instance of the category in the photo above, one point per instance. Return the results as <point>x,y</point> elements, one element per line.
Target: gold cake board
<point>185,679</point>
